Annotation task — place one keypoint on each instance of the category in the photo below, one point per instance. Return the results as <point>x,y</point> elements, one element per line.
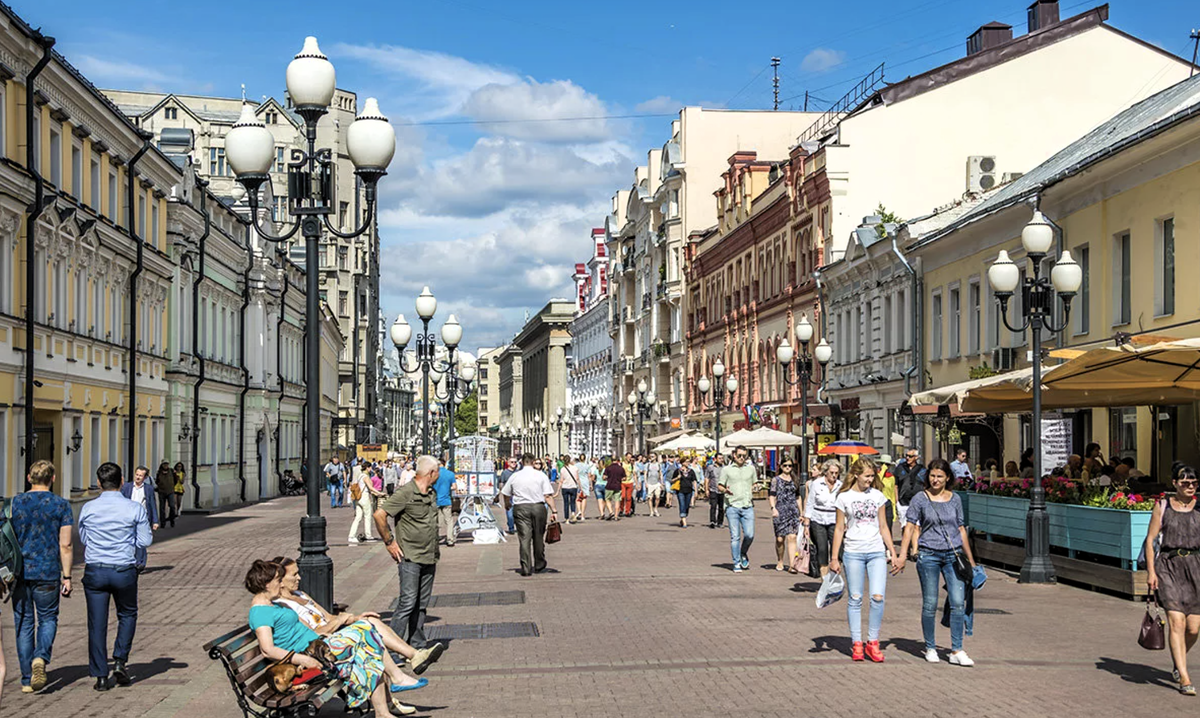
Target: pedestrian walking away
<point>935,519</point>
<point>654,485</point>
<point>112,528</point>
<point>42,523</point>
<point>1174,570</point>
<point>141,491</point>
<point>820,513</point>
<point>716,499</point>
<point>864,534</point>
<point>737,484</point>
<point>164,487</point>
<point>414,548</point>
<point>614,478</point>
<point>586,469</point>
<point>528,491</point>
<point>687,479</point>
<point>444,486</point>
<point>510,468</point>
<point>784,495</point>
<point>568,486</point>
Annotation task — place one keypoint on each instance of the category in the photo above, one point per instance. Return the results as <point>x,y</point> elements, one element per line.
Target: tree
<point>886,217</point>
<point>466,416</point>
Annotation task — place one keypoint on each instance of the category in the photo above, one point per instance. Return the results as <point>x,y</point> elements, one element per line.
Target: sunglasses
<point>1188,482</point>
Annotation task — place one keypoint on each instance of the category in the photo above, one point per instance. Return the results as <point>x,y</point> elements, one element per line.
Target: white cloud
<point>539,111</point>
<point>822,59</point>
<point>660,104</point>
<point>109,72</point>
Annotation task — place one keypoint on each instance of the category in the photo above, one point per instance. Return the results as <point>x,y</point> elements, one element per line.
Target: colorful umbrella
<point>847,448</point>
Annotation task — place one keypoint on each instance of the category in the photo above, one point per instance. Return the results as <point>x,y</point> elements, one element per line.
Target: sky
<point>516,122</point>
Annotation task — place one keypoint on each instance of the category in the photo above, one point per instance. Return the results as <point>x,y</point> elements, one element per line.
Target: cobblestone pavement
<point>636,618</point>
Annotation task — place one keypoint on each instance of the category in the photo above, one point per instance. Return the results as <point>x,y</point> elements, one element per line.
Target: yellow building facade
<point>1127,197</point>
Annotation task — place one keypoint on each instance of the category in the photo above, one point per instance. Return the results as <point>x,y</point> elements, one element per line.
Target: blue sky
<point>493,216</point>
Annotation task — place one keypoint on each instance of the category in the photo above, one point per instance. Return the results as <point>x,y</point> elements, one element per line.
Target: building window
<point>1121,279</point>
<point>77,172</point>
<point>278,208</point>
<point>343,254</point>
<point>271,118</point>
<point>216,161</point>
<point>280,165</point>
<point>935,319</point>
<point>1083,303</point>
<point>56,157</point>
<point>955,322</point>
<point>141,225</point>
<point>60,294</point>
<point>973,317</point>
<point>154,223</point>
<point>344,304</point>
<point>171,113</point>
<point>112,195</point>
<point>1122,432</point>
<point>1164,267</point>
<point>6,273</point>
<point>94,187</point>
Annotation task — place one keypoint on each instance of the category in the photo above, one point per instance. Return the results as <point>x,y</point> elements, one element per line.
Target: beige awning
<point>668,436</point>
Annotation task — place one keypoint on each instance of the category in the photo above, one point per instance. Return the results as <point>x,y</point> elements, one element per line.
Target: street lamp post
<point>455,394</point>
<point>250,151</point>
<point>426,359</point>
<point>639,405</point>
<point>718,403</point>
<point>823,352</point>
<point>1037,304</point>
<point>558,427</point>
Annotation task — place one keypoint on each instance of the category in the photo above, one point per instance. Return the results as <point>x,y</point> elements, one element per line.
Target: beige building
<point>487,377</point>
<point>347,266</point>
<point>545,351</point>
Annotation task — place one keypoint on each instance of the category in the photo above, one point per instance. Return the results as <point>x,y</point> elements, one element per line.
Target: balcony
<point>660,292</point>
<point>627,365</point>
<point>627,312</point>
<point>646,300</point>
<point>662,351</point>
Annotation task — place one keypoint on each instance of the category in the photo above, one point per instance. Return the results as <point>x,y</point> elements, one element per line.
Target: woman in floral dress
<point>785,499</point>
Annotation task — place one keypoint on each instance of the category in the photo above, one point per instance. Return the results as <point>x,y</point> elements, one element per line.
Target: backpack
<point>11,561</point>
<point>356,491</point>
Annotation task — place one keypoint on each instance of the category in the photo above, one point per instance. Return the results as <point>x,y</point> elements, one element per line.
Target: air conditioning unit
<point>981,173</point>
<point>1011,177</point>
<point>1003,358</point>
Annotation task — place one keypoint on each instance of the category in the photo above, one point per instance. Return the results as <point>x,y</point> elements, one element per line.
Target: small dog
<point>283,674</point>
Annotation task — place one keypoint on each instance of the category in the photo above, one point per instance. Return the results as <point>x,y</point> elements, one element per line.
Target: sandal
<point>402,709</point>
<point>1188,690</point>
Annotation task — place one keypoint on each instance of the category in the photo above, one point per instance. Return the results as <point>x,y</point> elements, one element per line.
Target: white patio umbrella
<point>765,437</point>
<point>690,442</point>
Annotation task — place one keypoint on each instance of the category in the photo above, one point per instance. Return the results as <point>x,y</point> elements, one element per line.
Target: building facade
<point>544,345</point>
<point>591,385</point>
<point>487,377</point>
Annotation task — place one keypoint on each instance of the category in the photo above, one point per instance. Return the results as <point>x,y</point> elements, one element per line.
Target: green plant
<point>885,217</point>
<point>466,416</point>
<point>982,371</point>
<point>662,271</point>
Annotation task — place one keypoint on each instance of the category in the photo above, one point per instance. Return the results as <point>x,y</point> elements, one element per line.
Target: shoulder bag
<point>1153,634</point>
<point>962,567</point>
<point>355,491</point>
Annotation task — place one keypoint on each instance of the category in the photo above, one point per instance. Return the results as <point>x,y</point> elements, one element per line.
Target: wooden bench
<point>246,668</point>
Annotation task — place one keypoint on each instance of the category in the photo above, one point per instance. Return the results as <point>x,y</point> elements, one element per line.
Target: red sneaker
<point>856,654</point>
<point>873,651</point>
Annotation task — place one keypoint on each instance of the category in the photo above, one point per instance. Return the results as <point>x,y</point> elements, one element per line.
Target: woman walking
<point>687,485</point>
<point>584,471</point>
<point>935,521</point>
<point>568,481</point>
<point>1174,570</point>
<point>180,473</point>
<point>786,503</point>
<point>820,513</point>
<point>865,533</point>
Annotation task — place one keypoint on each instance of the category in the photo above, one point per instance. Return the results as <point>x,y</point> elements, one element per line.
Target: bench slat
<point>259,664</point>
<point>249,671</point>
<point>236,644</point>
<point>232,634</point>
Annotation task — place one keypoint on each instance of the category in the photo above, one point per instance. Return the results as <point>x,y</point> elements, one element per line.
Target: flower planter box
<point>1116,533</point>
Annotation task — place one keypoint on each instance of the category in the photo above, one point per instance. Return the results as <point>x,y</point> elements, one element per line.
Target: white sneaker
<point>960,658</point>
<point>352,541</point>
<point>932,656</point>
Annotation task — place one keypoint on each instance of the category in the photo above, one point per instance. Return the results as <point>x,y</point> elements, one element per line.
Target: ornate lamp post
<point>426,361</point>
<point>455,393</point>
<point>642,408</point>
<point>558,427</point>
<point>250,150</point>
<point>804,371</point>
<point>718,403</point>
<point>1037,305</point>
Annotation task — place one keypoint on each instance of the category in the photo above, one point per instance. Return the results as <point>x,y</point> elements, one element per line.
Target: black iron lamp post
<point>250,151</point>
<point>1037,308</point>
<point>458,386</point>
<point>719,402</point>
<point>642,408</point>
<point>427,361</point>
<point>823,352</point>
<point>558,427</point>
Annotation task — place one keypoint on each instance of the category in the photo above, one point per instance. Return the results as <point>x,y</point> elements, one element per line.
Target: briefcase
<point>553,532</point>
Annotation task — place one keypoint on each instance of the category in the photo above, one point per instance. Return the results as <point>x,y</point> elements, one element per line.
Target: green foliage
<point>886,217</point>
<point>982,371</point>
<point>466,416</point>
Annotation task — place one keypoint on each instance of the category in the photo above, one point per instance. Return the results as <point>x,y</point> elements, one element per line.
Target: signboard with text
<point>1056,443</point>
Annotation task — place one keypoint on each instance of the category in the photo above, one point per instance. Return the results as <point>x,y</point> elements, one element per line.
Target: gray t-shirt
<point>938,521</point>
<point>653,474</point>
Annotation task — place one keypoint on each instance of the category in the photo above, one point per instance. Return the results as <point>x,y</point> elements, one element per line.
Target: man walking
<point>961,469</point>
<point>528,491</point>
<point>737,485</point>
<point>141,492</point>
<point>910,481</point>
<point>627,486</point>
<point>42,522</point>
<point>414,548</point>
<point>614,478</point>
<point>335,472</point>
<point>716,499</point>
<point>509,470</point>
<point>444,487</point>
<point>112,529</point>
<point>390,477</point>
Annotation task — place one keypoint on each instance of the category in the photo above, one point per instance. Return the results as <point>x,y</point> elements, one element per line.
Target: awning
<point>668,436</point>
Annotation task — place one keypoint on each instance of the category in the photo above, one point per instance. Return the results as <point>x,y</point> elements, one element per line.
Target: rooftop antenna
<point>243,92</point>
<point>1195,50</point>
<point>775,81</point>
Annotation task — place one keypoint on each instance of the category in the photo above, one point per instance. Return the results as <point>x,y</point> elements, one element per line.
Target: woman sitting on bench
<point>358,650</point>
<point>324,623</point>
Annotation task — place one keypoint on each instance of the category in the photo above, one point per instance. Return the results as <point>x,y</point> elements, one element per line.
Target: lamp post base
<point>316,568</point>
<point>1037,567</point>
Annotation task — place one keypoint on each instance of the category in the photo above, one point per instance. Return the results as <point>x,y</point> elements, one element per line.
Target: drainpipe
<point>31,216</point>
<point>196,354</point>
<point>131,215</point>
<point>822,395</point>
<point>245,370</point>
<point>279,369</point>
<point>914,316</point>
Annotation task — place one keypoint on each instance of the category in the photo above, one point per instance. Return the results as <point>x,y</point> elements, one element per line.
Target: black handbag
<point>1153,633</point>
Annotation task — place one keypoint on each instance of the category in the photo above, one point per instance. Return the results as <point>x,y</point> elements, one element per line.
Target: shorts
<point>612,495</point>
<point>599,492</point>
<point>654,490</point>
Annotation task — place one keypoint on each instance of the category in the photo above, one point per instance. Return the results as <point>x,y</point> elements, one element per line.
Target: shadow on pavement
<point>1135,672</point>
<point>810,587</point>
<point>725,566</point>
<point>825,644</point>
<point>62,677</point>
<point>907,645</point>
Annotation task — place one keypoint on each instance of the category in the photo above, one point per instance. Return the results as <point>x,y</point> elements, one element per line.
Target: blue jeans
<point>932,565</point>
<point>35,615</point>
<point>336,497</point>
<point>872,566</point>
<point>685,504</point>
<point>741,532</point>
<point>512,525</point>
<point>568,502</point>
<point>101,583</point>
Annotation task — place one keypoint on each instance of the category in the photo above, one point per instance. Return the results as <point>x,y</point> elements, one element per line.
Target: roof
<point>1146,119</point>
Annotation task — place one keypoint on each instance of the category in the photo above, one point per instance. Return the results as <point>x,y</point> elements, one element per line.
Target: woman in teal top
<point>357,649</point>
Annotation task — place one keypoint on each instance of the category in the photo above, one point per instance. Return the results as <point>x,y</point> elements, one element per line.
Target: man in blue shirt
<point>112,529</point>
<point>443,486</point>
<point>335,471</point>
<point>42,522</point>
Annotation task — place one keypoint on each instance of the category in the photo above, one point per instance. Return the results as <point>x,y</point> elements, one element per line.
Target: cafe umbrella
<point>847,448</point>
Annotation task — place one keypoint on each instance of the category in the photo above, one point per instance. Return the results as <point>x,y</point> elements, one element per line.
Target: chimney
<point>1042,14</point>
<point>989,36</point>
